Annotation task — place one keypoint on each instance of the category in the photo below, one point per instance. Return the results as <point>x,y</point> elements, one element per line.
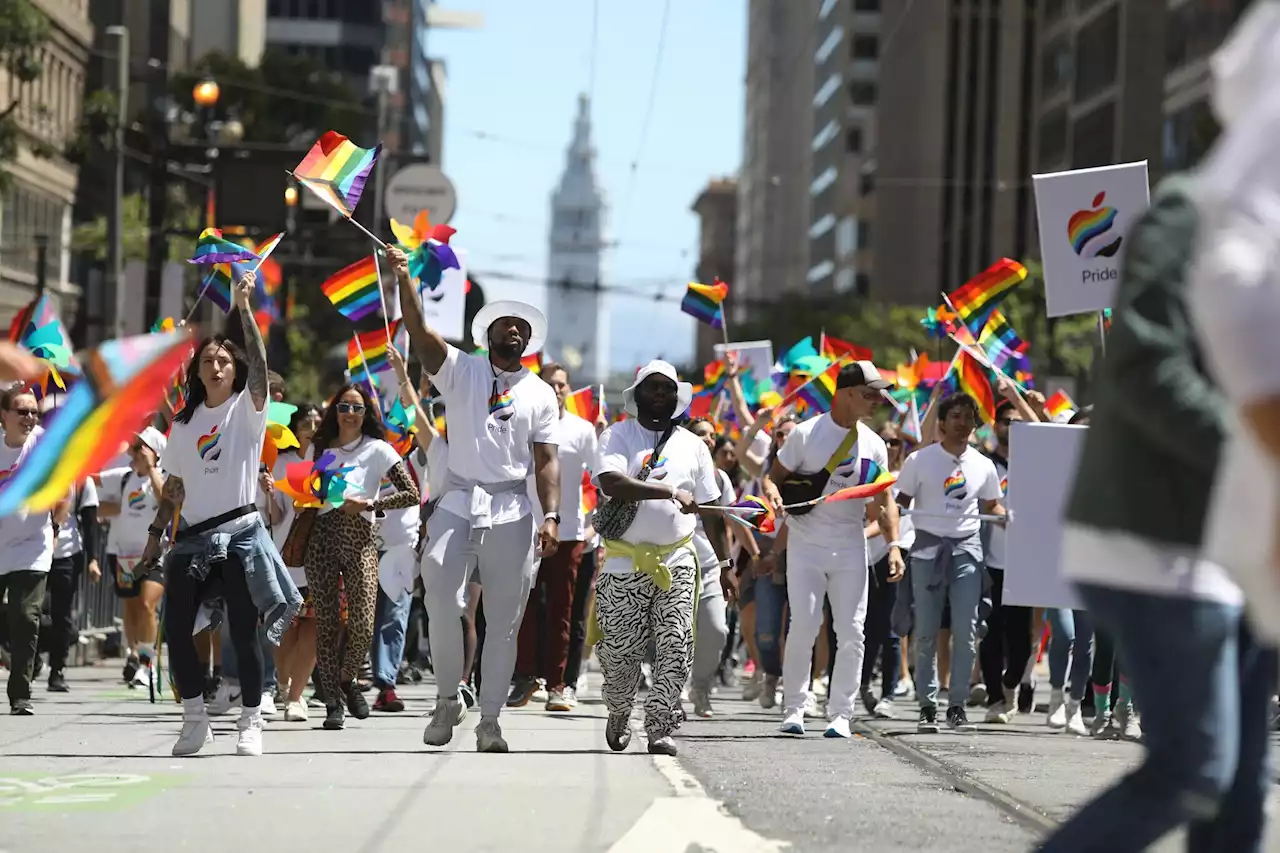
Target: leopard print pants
<point>632,610</point>
<point>342,547</point>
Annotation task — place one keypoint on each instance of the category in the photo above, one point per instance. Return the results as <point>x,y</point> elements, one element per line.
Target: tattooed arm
<point>255,348</point>
<point>171,497</point>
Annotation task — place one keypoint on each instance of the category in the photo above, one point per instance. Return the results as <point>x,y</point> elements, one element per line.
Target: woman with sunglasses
<point>342,545</point>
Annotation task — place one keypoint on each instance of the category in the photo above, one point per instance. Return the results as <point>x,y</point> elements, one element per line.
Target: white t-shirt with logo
<point>684,463</point>
<point>217,455</point>
<point>26,539</point>
<point>495,418</point>
<point>138,507</point>
<point>835,527</point>
<point>946,485</point>
<point>369,459</point>
<point>70,541</point>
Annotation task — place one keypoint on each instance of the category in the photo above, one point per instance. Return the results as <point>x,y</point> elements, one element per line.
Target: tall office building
<point>578,334</point>
<point>233,27</point>
<point>773,183</point>
<point>846,71</point>
<point>717,210</point>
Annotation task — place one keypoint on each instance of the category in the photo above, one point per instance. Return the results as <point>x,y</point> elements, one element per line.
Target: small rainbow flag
<point>583,404</point>
<point>761,518</point>
<point>999,341</point>
<point>819,393</point>
<point>1058,403</point>
<point>705,302</point>
<point>985,290</point>
<point>335,169</point>
<point>837,350</point>
<point>532,363</point>
<point>972,379</point>
<point>713,375</point>
<point>373,344</point>
<point>590,495</point>
<point>354,290</point>
<point>212,248</point>
<point>217,286</point>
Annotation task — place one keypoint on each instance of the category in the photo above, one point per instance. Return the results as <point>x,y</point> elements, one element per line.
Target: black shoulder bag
<point>614,517</point>
<point>799,488</point>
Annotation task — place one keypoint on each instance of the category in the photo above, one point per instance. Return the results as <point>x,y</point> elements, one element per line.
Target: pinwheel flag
<point>428,249</point>
<point>315,484</point>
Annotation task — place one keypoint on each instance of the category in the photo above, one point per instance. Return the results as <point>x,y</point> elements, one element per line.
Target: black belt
<point>215,522</point>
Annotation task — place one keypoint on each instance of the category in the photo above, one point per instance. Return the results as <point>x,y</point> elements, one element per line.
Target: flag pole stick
<point>1102,332</point>
<point>347,216</point>
<point>382,298</point>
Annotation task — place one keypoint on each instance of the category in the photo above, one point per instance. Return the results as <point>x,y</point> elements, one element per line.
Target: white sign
<point>751,354</point>
<point>1084,217</point>
<point>1042,471</point>
<point>420,187</point>
<point>444,306</point>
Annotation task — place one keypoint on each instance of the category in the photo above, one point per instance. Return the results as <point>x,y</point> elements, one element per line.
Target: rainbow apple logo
<point>1089,230</point>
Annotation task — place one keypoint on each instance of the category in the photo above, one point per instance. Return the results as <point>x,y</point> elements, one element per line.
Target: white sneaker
<point>995,713</point>
<point>1075,719</point>
<point>811,709</point>
<point>884,709</point>
<point>196,735</point>
<point>296,712</point>
<point>227,697</point>
<point>1127,722</point>
<point>837,727</point>
<point>449,714</point>
<point>582,682</point>
<point>268,706</point>
<point>489,736</point>
<point>821,686</point>
<point>249,739</point>
<point>793,723</point>
<point>1057,718</point>
<point>1004,712</point>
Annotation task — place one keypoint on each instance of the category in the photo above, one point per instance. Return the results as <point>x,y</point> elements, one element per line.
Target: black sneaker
<point>130,668</point>
<point>522,690</point>
<point>58,682</point>
<point>958,719</point>
<point>1026,698</point>
<point>928,723</point>
<point>356,703</point>
<point>21,708</point>
<point>617,732</point>
<point>335,718</point>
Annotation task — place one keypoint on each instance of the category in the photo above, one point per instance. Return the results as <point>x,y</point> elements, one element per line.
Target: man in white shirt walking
<point>502,425</point>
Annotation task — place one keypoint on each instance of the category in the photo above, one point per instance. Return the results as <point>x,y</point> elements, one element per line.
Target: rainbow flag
<point>972,380</point>
<point>212,248</point>
<point>985,290</point>
<point>999,341</point>
<point>590,495</point>
<point>819,393</point>
<point>217,284</point>
<point>124,383</point>
<point>335,169</point>
<point>705,302</point>
<point>583,404</point>
<point>761,517</point>
<point>373,344</point>
<point>837,350</point>
<point>532,363</point>
<point>354,290</point>
<point>38,328</point>
<point>1058,403</point>
<point>714,374</point>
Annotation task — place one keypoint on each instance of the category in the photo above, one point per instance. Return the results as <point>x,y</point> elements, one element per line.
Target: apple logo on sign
<point>1088,230</point>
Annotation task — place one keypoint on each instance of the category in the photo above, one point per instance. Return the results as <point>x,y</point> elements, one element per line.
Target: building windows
<point>846,236</point>
<point>28,213</point>
<point>1093,139</point>
<point>866,184</point>
<point>1097,60</point>
<point>1052,140</point>
<point>862,94</point>
<point>844,280</point>
<point>1052,11</point>
<point>853,140</point>
<point>827,6</point>
<point>822,226</point>
<point>1188,134</point>
<point>826,179</point>
<point>866,46</point>
<point>827,90</point>
<point>820,271</point>
<point>866,5</point>
<point>1196,28</point>
<point>1057,66</point>
<point>864,236</point>
<point>862,284</point>
<point>829,132</point>
<point>829,44</point>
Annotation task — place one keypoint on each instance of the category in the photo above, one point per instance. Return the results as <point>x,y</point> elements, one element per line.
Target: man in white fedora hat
<point>655,475</point>
<point>502,425</point>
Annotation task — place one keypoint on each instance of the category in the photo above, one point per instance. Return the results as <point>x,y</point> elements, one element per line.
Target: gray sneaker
<point>701,703</point>
<point>489,736</point>
<point>449,714</point>
<point>560,699</point>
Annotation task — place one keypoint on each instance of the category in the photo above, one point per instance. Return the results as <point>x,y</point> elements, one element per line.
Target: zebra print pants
<point>632,610</point>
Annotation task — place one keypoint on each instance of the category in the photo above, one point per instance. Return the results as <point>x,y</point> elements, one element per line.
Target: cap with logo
<point>860,373</point>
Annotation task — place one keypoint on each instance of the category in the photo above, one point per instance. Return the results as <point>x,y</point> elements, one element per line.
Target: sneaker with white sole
<point>1057,719</point>
<point>196,735</point>
<point>837,727</point>
<point>249,736</point>
<point>447,716</point>
<point>227,697</point>
<point>1126,719</point>
<point>884,709</point>
<point>1075,719</point>
<point>701,703</point>
<point>769,693</point>
<point>811,709</point>
<point>296,712</point>
<point>268,706</point>
<point>560,699</point>
<point>489,736</point>
<point>793,722</point>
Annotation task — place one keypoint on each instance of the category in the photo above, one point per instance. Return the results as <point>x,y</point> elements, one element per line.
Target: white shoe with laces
<point>268,706</point>
<point>296,712</point>
<point>448,714</point>
<point>793,722</point>
<point>227,697</point>
<point>249,738</point>
<point>196,735</point>
<point>884,709</point>
<point>1057,718</point>
<point>1075,719</point>
<point>837,727</point>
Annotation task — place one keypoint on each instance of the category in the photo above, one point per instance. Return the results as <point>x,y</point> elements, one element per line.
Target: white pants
<point>812,575</point>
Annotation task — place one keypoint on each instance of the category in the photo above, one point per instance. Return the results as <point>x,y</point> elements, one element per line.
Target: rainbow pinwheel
<point>213,248</point>
<point>322,483</point>
<point>428,249</point>
<point>939,322</point>
<point>399,425</point>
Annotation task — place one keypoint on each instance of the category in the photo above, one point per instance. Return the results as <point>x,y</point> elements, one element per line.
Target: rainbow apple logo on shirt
<point>5,475</point>
<point>136,498</point>
<point>1004,485</point>
<point>207,446</point>
<point>502,406</point>
<point>662,460</point>
<point>954,486</point>
<point>1088,230</point>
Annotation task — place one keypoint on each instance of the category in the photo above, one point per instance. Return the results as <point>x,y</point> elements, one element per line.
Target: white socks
<point>248,714</point>
<point>193,709</point>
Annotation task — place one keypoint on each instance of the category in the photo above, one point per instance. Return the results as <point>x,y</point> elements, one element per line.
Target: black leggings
<point>183,595</point>
<point>1006,648</point>
<point>880,639</point>
<point>578,616</point>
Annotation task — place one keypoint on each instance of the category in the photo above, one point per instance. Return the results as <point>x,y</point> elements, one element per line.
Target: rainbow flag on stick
<point>971,377</point>
<point>1058,403</point>
<point>212,248</point>
<point>999,341</point>
<point>706,302</point>
<point>821,390</point>
<point>985,290</point>
<point>532,363</point>
<point>335,169</point>
<point>836,349</point>
<point>354,290</point>
<point>367,351</point>
<point>583,404</point>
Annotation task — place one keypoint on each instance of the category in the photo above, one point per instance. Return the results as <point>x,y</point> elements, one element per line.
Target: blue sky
<point>511,98</point>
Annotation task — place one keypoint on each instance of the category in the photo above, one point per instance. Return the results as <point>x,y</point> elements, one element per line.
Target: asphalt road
<point>93,768</point>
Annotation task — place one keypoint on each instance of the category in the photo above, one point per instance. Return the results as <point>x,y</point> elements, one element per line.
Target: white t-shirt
<point>878,549</point>
<point>684,463</point>
<point>577,452</point>
<point>398,526</point>
<point>217,455</point>
<point>943,484</point>
<point>492,434</point>
<point>370,459</point>
<point>436,461</point>
<point>26,539</point>
<point>995,547</point>
<point>837,526</point>
<point>707,559</point>
<point>280,532</point>
<point>138,507</point>
<point>69,541</point>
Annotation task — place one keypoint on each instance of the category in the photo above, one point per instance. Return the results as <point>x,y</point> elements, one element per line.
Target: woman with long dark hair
<point>342,543</point>
<point>221,548</point>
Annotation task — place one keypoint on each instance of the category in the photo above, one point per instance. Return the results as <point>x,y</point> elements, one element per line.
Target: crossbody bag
<point>614,517</point>
<point>800,488</point>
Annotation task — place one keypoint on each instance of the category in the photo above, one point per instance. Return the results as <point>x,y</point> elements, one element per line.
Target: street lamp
<point>206,93</point>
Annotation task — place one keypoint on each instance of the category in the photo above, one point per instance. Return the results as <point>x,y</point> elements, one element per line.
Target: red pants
<point>544,633</point>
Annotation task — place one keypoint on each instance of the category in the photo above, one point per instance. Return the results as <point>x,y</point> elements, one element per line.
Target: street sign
<point>420,187</point>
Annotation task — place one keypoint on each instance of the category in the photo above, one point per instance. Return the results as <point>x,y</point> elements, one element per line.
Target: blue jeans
<point>1071,637</point>
<point>1206,762</point>
<point>964,588</point>
<point>771,601</point>
<point>231,670</point>
<point>390,623</point>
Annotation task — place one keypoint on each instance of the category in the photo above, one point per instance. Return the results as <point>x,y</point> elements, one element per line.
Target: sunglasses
<point>350,408</point>
<point>26,413</point>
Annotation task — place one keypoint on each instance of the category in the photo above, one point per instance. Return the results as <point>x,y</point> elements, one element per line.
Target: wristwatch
<point>157,532</point>
<point>552,516</point>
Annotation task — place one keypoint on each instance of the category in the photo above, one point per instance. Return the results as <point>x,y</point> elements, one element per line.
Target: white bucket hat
<point>684,391</point>
<point>493,311</point>
<point>154,439</point>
